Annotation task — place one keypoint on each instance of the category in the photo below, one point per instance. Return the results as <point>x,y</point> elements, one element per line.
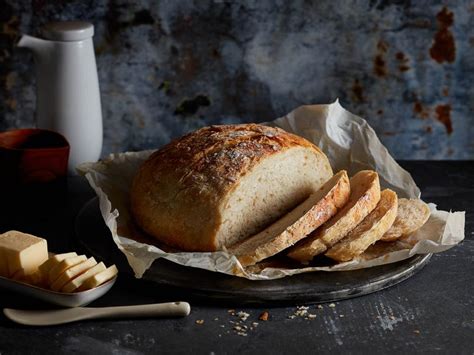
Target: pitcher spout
<point>37,45</point>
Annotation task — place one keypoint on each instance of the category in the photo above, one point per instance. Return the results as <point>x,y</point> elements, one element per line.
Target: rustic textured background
<point>167,67</point>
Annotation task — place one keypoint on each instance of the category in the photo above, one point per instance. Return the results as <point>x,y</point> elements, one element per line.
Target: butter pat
<point>71,273</point>
<point>99,279</point>
<point>53,261</point>
<point>58,269</point>
<point>21,251</point>
<point>78,281</point>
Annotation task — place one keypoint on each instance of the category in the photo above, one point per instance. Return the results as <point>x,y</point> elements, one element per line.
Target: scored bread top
<point>214,157</point>
<point>175,194</point>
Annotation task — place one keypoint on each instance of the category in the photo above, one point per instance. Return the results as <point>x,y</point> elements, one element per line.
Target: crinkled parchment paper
<point>348,141</point>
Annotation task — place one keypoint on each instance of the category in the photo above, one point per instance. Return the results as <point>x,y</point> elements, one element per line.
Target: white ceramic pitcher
<point>68,97</point>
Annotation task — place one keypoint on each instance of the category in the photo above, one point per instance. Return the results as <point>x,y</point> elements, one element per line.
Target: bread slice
<point>380,248</point>
<point>412,215</point>
<point>297,224</point>
<point>371,229</point>
<point>365,194</point>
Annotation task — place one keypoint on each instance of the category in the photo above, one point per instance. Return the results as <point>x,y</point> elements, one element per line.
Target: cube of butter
<point>21,251</point>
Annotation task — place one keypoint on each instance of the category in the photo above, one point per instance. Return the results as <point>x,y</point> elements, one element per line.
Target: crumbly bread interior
<point>412,215</point>
<point>268,191</point>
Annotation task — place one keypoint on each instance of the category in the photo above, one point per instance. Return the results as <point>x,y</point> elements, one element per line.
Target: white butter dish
<point>73,299</point>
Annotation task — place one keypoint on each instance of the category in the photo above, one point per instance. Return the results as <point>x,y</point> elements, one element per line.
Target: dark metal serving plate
<point>306,288</point>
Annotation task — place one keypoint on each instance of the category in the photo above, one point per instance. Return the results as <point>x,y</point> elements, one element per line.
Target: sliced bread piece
<point>297,224</point>
<point>367,232</point>
<point>365,194</point>
<point>380,248</point>
<point>412,215</point>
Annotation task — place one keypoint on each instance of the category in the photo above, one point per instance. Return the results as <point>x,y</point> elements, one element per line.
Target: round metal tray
<point>314,287</point>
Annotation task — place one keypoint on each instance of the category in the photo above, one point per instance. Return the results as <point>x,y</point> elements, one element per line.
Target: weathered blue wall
<point>167,67</point>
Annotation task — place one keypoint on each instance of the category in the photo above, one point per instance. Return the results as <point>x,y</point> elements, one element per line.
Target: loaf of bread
<point>222,184</point>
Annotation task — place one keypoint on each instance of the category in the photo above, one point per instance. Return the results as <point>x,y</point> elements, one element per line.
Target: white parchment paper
<point>348,141</point>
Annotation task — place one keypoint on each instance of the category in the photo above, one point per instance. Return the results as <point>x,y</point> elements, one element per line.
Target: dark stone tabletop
<point>430,312</point>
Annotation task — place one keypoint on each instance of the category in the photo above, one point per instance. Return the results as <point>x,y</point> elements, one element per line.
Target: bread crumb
<point>243,315</point>
<point>264,316</point>
<point>301,311</point>
<point>199,321</point>
<point>311,316</point>
<point>332,305</point>
<point>238,326</point>
<point>416,331</point>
